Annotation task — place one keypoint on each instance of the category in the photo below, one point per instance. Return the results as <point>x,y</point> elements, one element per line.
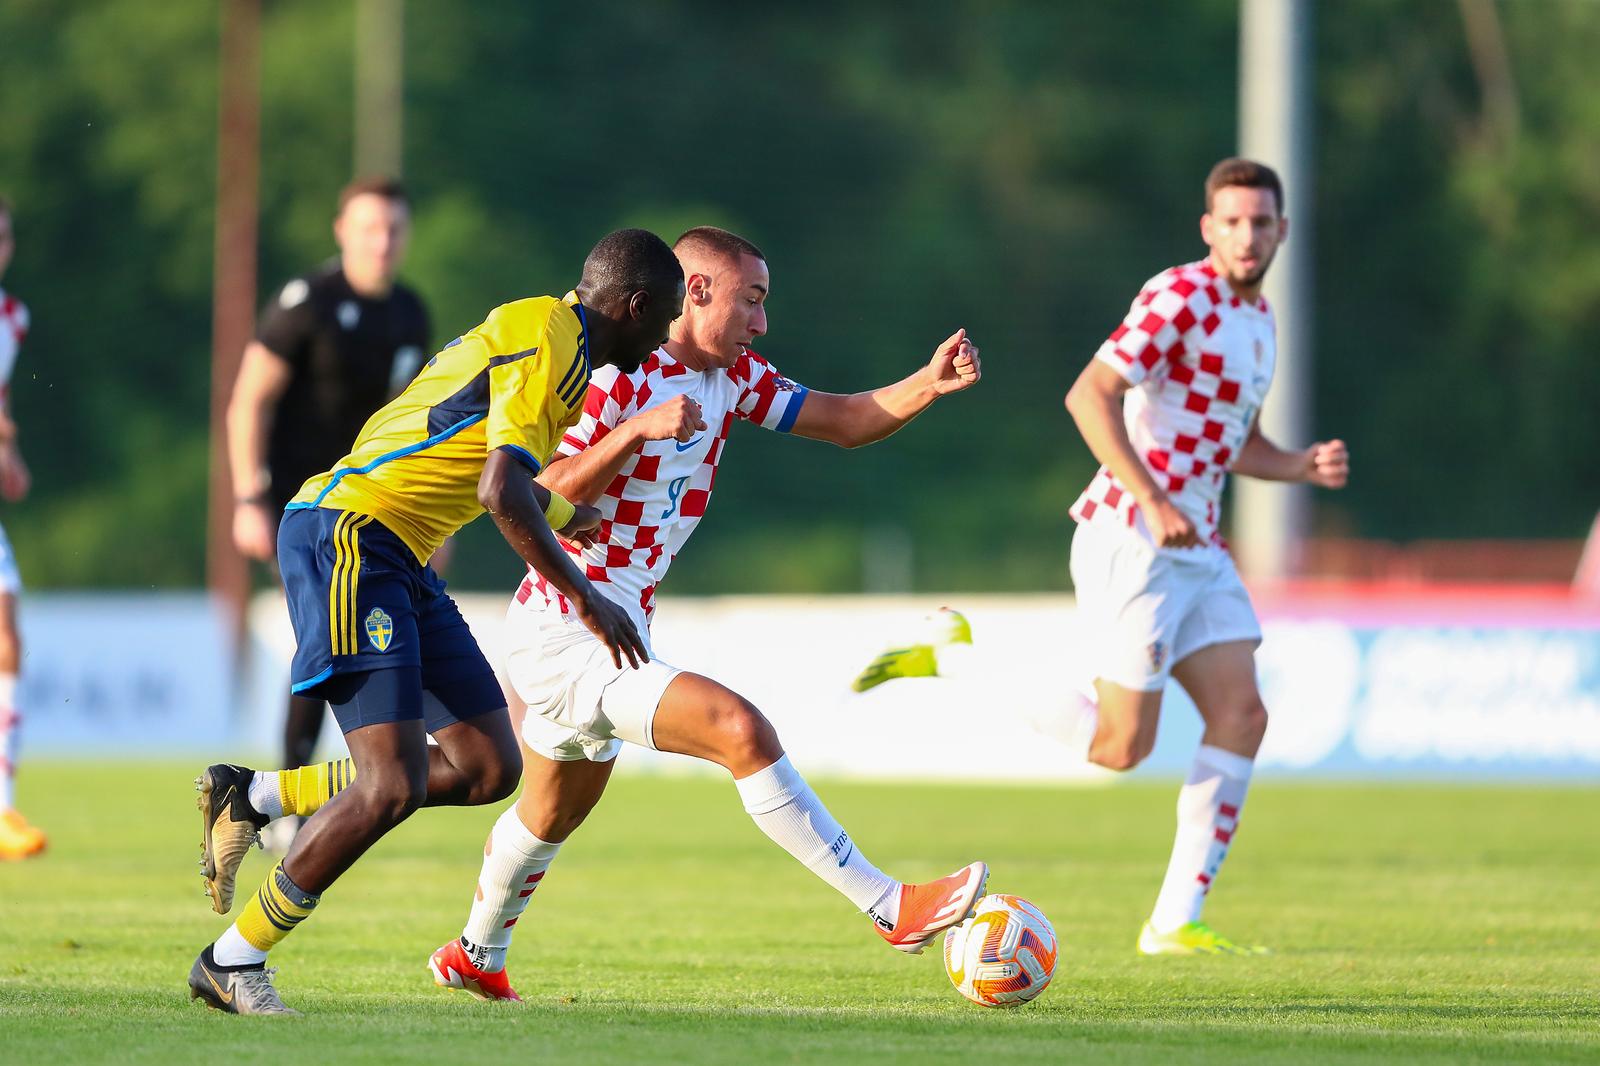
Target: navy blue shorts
<point>361,603</point>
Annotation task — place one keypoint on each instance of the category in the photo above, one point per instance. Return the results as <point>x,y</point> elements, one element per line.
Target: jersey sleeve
<point>287,323</point>
<point>1152,336</point>
<point>609,400</point>
<point>13,319</point>
<point>766,397</point>
<point>534,395</point>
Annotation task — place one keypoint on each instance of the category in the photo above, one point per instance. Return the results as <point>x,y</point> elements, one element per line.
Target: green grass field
<point>1412,924</point>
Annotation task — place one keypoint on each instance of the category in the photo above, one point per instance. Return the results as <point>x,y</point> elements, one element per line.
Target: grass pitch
<point>1414,924</point>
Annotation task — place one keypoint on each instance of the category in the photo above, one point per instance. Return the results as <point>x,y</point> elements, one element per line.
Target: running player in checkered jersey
<point>18,839</point>
<point>646,453</point>
<point>1169,405</point>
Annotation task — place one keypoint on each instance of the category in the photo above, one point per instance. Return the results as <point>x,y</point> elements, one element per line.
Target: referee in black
<point>332,347</point>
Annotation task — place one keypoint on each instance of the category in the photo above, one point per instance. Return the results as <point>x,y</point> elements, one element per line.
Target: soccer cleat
<point>928,910</point>
<point>18,839</point>
<point>942,628</point>
<point>229,826</point>
<point>1193,938</point>
<point>452,969</point>
<point>237,991</point>
<point>918,660</point>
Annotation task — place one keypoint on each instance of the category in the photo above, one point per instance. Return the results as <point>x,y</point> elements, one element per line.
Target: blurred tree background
<point>1015,168</point>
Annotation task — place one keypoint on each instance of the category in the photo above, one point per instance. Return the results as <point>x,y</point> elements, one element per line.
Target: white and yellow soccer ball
<point>1002,956</point>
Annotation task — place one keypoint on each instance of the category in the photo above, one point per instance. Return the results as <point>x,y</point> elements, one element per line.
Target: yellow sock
<point>305,789</point>
<point>274,911</point>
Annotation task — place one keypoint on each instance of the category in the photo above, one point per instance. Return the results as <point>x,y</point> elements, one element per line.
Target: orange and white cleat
<point>452,969</point>
<point>928,910</point>
<point>18,839</point>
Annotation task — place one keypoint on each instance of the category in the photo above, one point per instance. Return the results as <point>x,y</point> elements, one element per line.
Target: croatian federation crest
<point>380,628</point>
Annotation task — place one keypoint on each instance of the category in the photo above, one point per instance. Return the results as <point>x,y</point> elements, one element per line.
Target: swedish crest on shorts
<point>380,628</point>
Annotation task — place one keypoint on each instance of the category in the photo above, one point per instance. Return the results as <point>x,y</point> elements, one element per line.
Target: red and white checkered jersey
<point>661,493</point>
<point>13,327</point>
<point>1200,361</point>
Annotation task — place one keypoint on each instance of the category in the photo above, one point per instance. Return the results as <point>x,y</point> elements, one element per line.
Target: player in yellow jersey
<point>377,636</point>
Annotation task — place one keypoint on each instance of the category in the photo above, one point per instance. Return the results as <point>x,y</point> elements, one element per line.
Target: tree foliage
<point>1015,168</point>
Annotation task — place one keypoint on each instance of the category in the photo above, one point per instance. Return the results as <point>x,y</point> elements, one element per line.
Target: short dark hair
<point>628,261</point>
<point>1243,173</point>
<point>388,188</point>
<point>717,240</point>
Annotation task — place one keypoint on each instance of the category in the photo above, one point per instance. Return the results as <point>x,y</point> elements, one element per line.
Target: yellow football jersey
<point>517,382</point>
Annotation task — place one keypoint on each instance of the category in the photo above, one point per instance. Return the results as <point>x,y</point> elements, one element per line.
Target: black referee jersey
<point>350,354</point>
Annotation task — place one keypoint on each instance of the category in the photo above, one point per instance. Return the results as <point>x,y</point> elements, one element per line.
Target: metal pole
<point>233,292</point>
<point>1272,520</point>
<point>379,61</point>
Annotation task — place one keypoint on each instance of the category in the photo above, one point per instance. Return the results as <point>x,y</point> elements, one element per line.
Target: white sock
<point>264,794</point>
<point>784,807</point>
<point>232,949</point>
<point>514,862</point>
<point>10,728</point>
<point>1073,724</point>
<point>957,662</point>
<point>1208,816</point>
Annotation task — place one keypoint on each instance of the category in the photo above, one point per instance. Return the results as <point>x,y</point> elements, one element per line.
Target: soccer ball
<point>1004,955</point>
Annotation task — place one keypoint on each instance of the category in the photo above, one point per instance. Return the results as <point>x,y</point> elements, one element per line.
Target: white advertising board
<point>1350,693</point>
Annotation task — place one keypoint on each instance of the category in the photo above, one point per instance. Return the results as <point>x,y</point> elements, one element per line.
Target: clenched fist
<point>1328,464</point>
<point>677,419</point>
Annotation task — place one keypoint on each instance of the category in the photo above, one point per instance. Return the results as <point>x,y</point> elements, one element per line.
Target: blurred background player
<point>646,453</point>
<point>18,839</point>
<point>1169,404</point>
<point>331,348</point>
<point>377,635</point>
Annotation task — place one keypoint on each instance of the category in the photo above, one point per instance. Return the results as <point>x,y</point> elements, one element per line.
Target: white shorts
<point>580,704</point>
<point>10,576</point>
<point>1151,609</point>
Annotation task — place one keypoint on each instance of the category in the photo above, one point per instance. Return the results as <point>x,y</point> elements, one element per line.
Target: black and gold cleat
<point>228,827</point>
<point>237,990</point>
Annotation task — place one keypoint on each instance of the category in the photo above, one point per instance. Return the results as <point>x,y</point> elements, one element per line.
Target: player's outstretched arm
<point>1325,464</point>
<point>517,504</point>
<point>1095,403</point>
<point>582,478</point>
<point>867,417</point>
